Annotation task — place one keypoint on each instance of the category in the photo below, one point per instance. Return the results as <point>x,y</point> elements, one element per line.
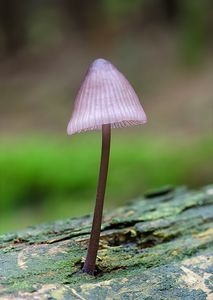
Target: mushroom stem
<point>89,265</point>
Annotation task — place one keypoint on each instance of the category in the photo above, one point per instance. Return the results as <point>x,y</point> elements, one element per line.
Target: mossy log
<point>156,247</point>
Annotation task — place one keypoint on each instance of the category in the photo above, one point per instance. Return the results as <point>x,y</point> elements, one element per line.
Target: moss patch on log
<point>157,247</point>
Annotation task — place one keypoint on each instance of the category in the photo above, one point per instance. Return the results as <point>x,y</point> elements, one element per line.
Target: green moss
<point>58,178</point>
<point>141,252</point>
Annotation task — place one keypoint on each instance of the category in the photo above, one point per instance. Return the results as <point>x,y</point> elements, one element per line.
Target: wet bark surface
<point>156,247</point>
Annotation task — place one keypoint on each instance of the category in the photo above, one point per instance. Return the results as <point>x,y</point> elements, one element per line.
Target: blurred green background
<point>164,47</point>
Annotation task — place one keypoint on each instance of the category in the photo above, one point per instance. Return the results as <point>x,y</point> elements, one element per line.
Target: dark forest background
<point>164,47</point>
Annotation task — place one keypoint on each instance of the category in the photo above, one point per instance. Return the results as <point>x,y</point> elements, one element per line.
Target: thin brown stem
<point>89,265</point>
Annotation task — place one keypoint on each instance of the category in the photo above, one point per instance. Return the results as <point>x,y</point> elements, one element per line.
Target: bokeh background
<point>164,47</point>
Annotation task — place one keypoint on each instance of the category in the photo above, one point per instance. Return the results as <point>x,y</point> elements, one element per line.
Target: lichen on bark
<point>157,247</point>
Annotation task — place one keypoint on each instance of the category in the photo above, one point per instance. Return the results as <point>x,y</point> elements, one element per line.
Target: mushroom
<point>105,100</point>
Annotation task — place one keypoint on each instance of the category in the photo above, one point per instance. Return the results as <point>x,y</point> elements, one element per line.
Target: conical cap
<point>105,97</point>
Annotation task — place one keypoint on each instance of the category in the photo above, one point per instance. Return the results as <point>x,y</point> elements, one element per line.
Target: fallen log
<point>157,247</point>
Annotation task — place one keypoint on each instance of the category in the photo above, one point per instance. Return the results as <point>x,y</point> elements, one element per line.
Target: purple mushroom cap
<point>105,97</point>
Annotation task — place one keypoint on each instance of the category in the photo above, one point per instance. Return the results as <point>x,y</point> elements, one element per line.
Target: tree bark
<point>13,23</point>
<point>158,247</point>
